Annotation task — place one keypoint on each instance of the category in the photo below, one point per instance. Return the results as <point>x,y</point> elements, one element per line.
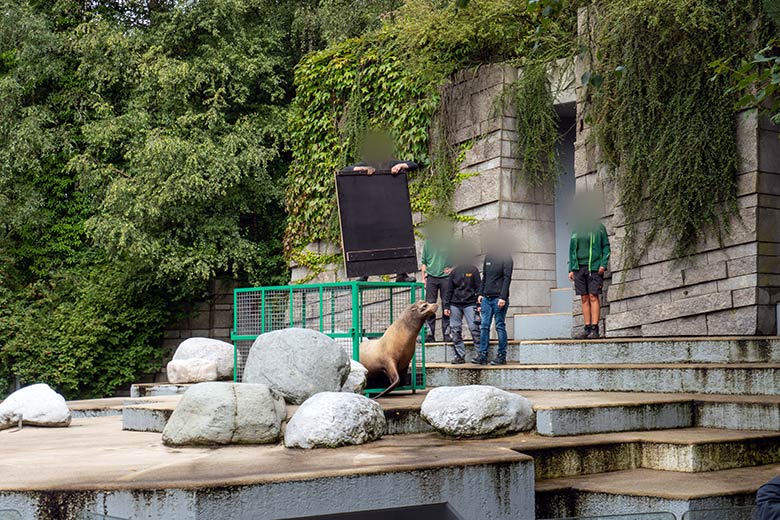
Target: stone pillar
<point>496,196</point>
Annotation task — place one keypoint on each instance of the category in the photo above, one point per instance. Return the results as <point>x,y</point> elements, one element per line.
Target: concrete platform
<point>714,378</point>
<point>644,490</point>
<point>96,466</point>
<point>635,351</point>
<point>557,413</point>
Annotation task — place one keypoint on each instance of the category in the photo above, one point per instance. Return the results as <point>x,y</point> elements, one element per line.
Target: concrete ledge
<point>689,450</point>
<point>646,491</point>
<point>95,466</point>
<point>739,379</point>
<point>641,417</point>
<point>157,389</point>
<point>637,351</point>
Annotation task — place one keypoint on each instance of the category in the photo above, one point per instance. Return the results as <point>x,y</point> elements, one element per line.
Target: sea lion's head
<point>422,310</point>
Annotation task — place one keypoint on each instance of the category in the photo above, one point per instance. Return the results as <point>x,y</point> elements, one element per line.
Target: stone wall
<point>496,196</point>
<point>728,288</point>
<point>211,318</point>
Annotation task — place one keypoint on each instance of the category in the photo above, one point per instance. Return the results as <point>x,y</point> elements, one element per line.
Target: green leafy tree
<point>140,156</point>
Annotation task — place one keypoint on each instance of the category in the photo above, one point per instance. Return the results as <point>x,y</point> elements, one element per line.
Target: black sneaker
<point>584,333</point>
<point>498,361</point>
<point>594,333</point>
<point>480,360</point>
<point>458,361</point>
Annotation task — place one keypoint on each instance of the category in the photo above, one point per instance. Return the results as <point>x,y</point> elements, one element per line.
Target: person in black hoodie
<point>494,300</point>
<point>461,301</point>
<point>768,501</point>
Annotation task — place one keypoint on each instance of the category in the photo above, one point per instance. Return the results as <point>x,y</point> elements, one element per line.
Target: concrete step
<point>557,413</point>
<point>731,379</point>
<point>561,299</point>
<point>646,491</point>
<point>543,326</point>
<point>157,389</point>
<point>608,351</point>
<point>688,450</point>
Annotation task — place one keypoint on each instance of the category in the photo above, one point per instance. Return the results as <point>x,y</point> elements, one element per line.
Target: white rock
<point>226,413</point>
<point>357,378</point>
<point>194,370</point>
<point>220,352</point>
<point>332,419</point>
<point>297,363</point>
<point>37,405</point>
<point>477,410</point>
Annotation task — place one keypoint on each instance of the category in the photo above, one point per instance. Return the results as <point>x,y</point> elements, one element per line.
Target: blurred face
<point>585,211</point>
<point>377,148</point>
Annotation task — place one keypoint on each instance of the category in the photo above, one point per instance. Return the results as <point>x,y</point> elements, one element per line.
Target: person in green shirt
<point>436,266</point>
<point>588,259</point>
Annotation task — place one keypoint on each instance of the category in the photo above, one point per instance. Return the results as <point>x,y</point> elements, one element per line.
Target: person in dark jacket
<point>768,501</point>
<point>460,302</point>
<point>493,298</point>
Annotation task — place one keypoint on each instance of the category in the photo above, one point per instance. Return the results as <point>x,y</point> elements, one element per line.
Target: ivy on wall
<point>665,128</point>
<point>395,78</point>
<point>340,92</point>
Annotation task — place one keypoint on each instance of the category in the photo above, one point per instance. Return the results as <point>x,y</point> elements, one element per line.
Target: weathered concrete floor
<point>95,453</point>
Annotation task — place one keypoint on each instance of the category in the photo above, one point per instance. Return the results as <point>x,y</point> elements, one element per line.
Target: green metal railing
<point>348,312</point>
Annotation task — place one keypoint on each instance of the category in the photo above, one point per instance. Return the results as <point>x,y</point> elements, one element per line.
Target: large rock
<point>220,352</point>
<point>226,413</point>
<point>297,363</point>
<point>195,370</point>
<point>476,410</point>
<point>332,419</point>
<point>357,378</point>
<point>36,405</point>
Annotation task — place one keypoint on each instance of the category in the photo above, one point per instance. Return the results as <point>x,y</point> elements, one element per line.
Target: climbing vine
<point>395,78</point>
<point>666,130</point>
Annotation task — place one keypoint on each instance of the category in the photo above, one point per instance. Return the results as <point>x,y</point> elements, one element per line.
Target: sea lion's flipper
<point>395,378</point>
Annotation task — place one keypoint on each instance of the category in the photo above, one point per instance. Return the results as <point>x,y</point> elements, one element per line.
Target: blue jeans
<point>491,311</point>
<point>457,313</point>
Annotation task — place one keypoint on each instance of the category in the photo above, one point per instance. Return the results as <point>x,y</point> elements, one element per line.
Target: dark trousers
<point>436,287</point>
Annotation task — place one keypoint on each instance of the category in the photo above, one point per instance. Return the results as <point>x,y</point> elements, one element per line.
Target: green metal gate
<point>348,312</point>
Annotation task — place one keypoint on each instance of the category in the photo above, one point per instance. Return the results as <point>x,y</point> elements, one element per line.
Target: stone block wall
<point>496,196</point>
<point>726,288</point>
<point>211,318</point>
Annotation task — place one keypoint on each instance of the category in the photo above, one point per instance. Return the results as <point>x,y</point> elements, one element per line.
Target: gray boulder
<point>220,352</point>
<point>476,411</point>
<point>225,413</point>
<point>357,378</point>
<point>35,405</point>
<point>297,363</point>
<point>332,419</point>
<point>195,370</point>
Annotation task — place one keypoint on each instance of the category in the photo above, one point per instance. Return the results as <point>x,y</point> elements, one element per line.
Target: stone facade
<point>728,288</point>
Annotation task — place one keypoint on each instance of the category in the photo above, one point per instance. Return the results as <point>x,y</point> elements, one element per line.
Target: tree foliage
<point>141,155</point>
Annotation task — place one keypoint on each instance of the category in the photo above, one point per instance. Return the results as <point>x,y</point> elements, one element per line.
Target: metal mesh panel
<point>349,312</point>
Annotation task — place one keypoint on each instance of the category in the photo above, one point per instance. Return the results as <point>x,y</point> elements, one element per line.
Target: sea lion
<point>387,358</point>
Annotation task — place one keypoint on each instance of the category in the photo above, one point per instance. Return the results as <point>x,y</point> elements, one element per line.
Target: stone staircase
<point>638,425</point>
